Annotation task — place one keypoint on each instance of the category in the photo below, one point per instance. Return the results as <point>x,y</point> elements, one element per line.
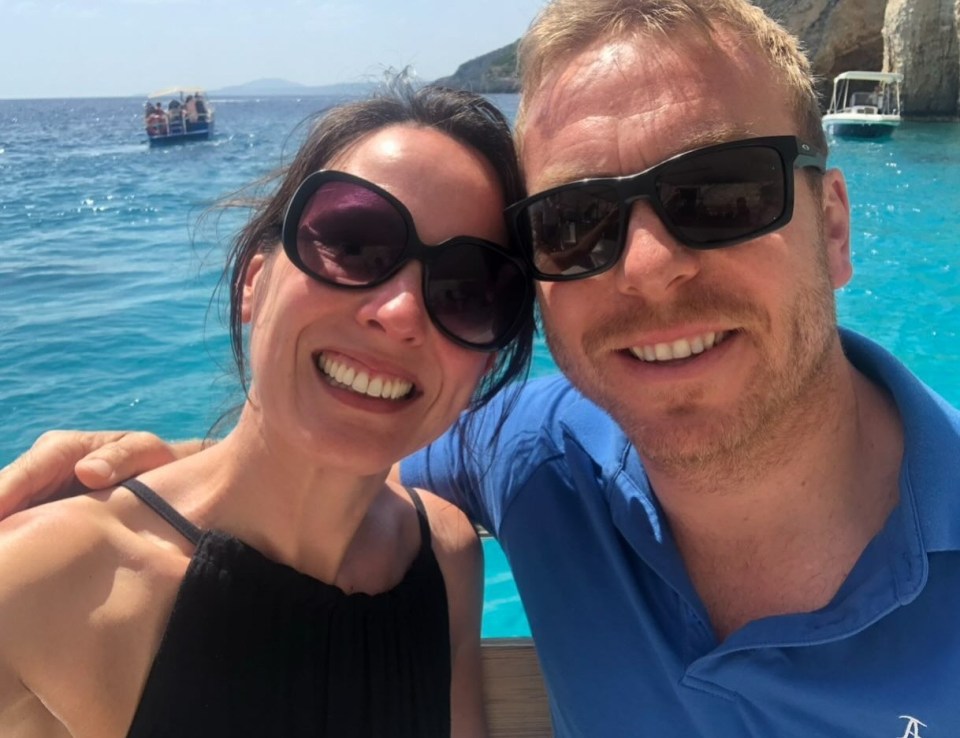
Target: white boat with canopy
<point>864,105</point>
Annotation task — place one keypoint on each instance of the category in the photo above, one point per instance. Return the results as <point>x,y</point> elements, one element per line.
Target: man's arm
<point>65,463</point>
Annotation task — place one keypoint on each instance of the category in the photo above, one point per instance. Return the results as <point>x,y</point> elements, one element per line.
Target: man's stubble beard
<point>784,398</point>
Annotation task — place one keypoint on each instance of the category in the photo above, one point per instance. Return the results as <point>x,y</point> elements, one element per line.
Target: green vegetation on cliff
<point>493,72</point>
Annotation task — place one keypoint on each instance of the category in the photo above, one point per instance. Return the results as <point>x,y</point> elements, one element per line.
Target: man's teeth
<point>682,348</point>
<point>360,381</point>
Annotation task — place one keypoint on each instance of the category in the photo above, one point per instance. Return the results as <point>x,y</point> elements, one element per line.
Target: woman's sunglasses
<point>346,232</point>
<point>707,199</point>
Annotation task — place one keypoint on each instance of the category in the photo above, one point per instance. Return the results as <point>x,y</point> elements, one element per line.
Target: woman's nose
<point>396,307</point>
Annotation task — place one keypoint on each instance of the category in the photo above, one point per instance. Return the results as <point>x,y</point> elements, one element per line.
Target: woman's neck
<point>299,509</point>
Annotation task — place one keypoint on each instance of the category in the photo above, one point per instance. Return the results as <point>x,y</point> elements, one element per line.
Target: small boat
<point>864,105</point>
<point>178,115</point>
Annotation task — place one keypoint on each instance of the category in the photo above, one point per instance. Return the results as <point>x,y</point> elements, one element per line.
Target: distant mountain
<point>282,87</point>
<point>495,71</point>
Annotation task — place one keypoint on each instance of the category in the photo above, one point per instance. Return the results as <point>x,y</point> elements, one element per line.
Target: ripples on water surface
<point>105,282</point>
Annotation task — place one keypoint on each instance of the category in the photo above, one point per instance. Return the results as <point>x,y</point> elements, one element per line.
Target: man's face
<point>696,354</point>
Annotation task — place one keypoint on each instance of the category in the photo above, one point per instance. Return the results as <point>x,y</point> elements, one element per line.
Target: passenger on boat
<point>731,517</point>
<point>175,116</point>
<point>276,583</point>
<point>201,106</point>
<point>156,120</point>
<point>190,109</point>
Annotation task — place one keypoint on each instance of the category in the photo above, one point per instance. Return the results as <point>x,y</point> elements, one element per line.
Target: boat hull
<point>846,129</point>
<point>180,137</point>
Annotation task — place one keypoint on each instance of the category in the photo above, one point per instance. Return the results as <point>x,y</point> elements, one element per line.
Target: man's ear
<point>250,280</point>
<point>836,227</point>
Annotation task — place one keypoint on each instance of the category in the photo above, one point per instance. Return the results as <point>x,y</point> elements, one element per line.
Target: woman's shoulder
<point>84,592</point>
<point>54,557</point>
<point>51,559</point>
<point>459,554</point>
<point>456,546</point>
<point>40,542</point>
<point>450,528</point>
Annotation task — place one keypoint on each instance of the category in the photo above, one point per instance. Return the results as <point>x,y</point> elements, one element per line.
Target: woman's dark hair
<point>468,118</point>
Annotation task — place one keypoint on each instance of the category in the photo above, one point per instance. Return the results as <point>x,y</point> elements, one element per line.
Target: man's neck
<point>780,532</point>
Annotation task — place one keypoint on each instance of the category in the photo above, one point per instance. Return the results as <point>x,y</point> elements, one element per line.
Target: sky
<point>117,48</point>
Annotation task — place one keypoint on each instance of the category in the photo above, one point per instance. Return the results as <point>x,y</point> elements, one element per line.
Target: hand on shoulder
<point>65,463</point>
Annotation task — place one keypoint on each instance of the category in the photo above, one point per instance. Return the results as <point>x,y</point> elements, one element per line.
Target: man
<point>728,518</point>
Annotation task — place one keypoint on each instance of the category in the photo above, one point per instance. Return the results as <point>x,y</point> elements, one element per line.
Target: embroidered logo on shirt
<point>913,727</point>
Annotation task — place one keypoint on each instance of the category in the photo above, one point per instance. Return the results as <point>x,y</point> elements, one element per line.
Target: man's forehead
<point>624,106</point>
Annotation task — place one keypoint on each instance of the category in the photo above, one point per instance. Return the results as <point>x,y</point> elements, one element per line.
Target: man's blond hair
<point>564,28</point>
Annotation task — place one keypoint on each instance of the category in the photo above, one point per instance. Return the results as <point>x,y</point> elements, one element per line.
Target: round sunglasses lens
<point>574,231</point>
<point>349,235</point>
<point>475,293</point>
<point>724,196</point>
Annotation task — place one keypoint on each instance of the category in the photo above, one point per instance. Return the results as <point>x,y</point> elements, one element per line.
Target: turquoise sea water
<point>105,281</point>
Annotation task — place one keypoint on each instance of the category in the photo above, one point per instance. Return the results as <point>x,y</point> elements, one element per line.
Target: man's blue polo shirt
<point>624,640</point>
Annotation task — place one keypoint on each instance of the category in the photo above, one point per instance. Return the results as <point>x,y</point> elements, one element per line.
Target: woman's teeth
<point>361,381</point>
<point>682,348</point>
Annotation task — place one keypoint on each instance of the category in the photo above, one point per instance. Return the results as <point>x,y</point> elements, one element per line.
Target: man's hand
<point>64,463</point>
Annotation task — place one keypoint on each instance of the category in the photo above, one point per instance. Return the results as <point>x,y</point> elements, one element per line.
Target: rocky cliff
<point>918,38</point>
<point>921,42</point>
<point>492,72</point>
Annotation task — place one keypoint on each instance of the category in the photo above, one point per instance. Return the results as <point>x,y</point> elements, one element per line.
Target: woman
<point>277,583</point>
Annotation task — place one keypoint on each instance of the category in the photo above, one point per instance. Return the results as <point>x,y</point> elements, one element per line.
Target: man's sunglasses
<point>707,199</point>
<point>346,232</point>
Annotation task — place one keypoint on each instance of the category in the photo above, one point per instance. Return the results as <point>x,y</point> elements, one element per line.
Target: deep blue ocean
<point>106,319</point>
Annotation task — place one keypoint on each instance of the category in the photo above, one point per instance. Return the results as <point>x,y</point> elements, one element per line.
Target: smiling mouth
<point>363,382</point>
<point>682,348</point>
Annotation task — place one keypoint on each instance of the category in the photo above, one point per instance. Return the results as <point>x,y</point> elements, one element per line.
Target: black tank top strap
<point>425,541</point>
<point>164,509</point>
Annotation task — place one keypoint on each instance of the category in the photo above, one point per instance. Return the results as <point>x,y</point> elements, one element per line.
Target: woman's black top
<point>256,648</point>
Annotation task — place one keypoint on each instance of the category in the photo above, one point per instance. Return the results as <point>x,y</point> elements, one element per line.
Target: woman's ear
<point>250,280</point>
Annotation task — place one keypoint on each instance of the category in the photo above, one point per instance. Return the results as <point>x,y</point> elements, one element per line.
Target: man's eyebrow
<point>565,173</point>
<point>716,135</point>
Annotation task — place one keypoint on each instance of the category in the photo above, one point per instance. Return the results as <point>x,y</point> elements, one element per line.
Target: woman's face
<point>362,378</point>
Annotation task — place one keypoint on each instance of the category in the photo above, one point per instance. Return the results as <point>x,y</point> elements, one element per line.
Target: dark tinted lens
<point>350,235</point>
<point>723,196</point>
<point>474,292</point>
<point>574,231</point>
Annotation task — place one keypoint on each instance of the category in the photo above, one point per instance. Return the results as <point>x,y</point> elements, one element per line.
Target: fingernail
<point>99,467</point>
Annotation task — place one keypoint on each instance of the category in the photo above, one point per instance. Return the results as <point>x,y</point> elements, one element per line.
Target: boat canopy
<point>888,77</point>
<point>176,92</point>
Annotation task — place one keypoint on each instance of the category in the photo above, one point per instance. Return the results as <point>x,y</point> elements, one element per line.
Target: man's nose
<point>653,263</point>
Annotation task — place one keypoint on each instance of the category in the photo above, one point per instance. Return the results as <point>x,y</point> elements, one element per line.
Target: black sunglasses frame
<point>413,249</point>
<point>793,153</point>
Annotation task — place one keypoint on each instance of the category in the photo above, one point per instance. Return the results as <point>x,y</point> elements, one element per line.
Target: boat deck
<point>513,690</point>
